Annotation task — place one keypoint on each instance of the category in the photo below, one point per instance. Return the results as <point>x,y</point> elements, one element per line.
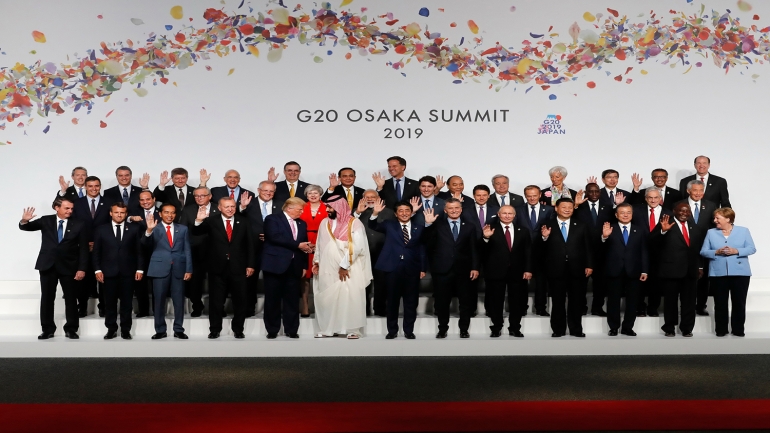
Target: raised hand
<point>488,231</point>
<point>591,179</point>
<point>333,181</point>
<point>430,216</point>
<point>271,176</point>
<point>665,225</point>
<point>580,198</point>
<point>28,214</point>
<point>63,184</point>
<point>144,182</point>
<point>151,223</point>
<point>439,182</point>
<point>379,205</point>
<point>378,180</point>
<point>205,176</point>
<point>164,178</point>
<point>619,198</point>
<point>637,181</point>
<point>202,214</point>
<point>606,230</point>
<point>416,203</point>
<point>361,206</point>
<point>545,231</point>
<point>245,199</point>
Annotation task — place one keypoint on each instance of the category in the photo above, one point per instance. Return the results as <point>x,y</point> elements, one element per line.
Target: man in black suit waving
<point>625,265</point>
<point>118,261</point>
<point>507,262</point>
<point>143,288</point>
<point>502,196</point>
<point>78,187</point>
<point>180,195</point>
<point>594,214</point>
<point>531,216</point>
<point>198,245</point>
<point>292,186</point>
<point>668,196</point>
<point>230,260</point>
<point>63,259</point>
<point>715,187</point>
<point>647,216</point>
<point>565,247</point>
<point>124,191</point>
<point>452,248</point>
<point>342,184</point>
<point>611,195</point>
<point>231,189</point>
<point>399,187</point>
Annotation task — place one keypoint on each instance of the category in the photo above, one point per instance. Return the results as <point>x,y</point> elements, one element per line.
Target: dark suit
<point>88,287</point>
<point>704,223</point>
<point>143,288</point>
<point>512,200</point>
<point>409,187</point>
<point>71,194</point>
<point>677,267</point>
<point>566,263</point>
<point>254,213</point>
<point>58,262</point>
<point>282,266</point>
<point>451,262</point>
<point>282,190</point>
<point>376,240</point>
<point>226,262</point>
<point>544,198</point>
<point>650,288</point>
<point>198,246</point>
<point>604,213</point>
<point>624,262</point>
<point>358,194</point>
<point>402,263</point>
<point>168,264</point>
<point>119,261</point>
<point>468,203</point>
<point>219,192</point>
<point>471,215</point>
<point>115,194</point>
<point>604,196</point>
<point>504,269</point>
<point>438,209</point>
<point>670,198</point>
<point>170,194</point>
<point>538,282</point>
<point>716,189</point>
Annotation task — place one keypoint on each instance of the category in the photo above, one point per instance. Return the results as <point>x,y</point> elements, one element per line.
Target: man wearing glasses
<point>198,242</point>
<point>668,196</point>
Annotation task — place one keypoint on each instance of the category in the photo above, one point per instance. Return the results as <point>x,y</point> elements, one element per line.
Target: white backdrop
<point>247,120</point>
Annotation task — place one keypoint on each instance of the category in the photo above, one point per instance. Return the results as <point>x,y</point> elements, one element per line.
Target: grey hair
<point>498,176</point>
<point>558,168</point>
<point>315,188</point>
<point>650,189</point>
<point>695,182</point>
<point>372,190</point>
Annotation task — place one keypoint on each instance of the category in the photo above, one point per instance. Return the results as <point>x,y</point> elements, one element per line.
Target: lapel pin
<point>68,231</point>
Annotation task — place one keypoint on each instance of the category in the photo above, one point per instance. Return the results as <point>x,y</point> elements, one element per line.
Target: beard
<point>332,215</point>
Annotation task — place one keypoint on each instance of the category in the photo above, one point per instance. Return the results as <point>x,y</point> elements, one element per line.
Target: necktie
<point>80,192</point>
<point>229,230</point>
<point>181,197</point>
<point>168,235</point>
<point>125,195</point>
<point>594,215</point>
<point>455,230</point>
<point>564,231</point>
<point>264,210</point>
<point>612,197</point>
<point>625,235</point>
<point>398,189</point>
<point>117,233</point>
<point>508,238</point>
<point>502,200</point>
<point>686,236</point>
<point>405,233</point>
<point>93,207</point>
<point>147,214</point>
<point>350,198</point>
<point>60,230</point>
<point>652,219</point>
<point>232,194</point>
<point>293,225</point>
<point>532,220</point>
<point>697,212</point>
<point>482,218</point>
<point>703,179</point>
<point>291,190</point>
<point>427,204</point>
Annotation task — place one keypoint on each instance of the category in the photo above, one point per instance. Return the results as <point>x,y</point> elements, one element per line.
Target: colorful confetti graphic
<point>547,59</point>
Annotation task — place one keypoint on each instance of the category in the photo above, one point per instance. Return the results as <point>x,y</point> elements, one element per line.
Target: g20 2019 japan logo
<point>552,125</point>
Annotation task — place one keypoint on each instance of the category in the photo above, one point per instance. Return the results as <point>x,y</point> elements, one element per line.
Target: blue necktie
<point>398,189</point>
<point>593,212</point>
<point>533,218</point>
<point>125,195</point>
<point>455,230</point>
<point>625,235</point>
<point>427,204</point>
<point>502,200</point>
<point>564,231</point>
<point>264,210</point>
<point>60,231</point>
<point>697,212</point>
<point>80,192</point>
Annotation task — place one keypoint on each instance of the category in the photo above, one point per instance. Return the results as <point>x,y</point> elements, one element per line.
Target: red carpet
<point>388,417</point>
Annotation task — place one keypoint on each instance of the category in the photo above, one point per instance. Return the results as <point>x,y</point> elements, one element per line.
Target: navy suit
<point>58,262</point>
<point>115,194</point>
<point>523,219</point>
<point>119,261</point>
<point>282,266</point>
<point>402,264</point>
<point>409,188</point>
<point>438,209</point>
<point>88,287</point>
<point>254,213</point>
<point>624,264</point>
<point>168,264</point>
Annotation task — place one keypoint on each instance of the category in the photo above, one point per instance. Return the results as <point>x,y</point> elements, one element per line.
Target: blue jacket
<point>394,250</point>
<point>165,259</point>
<point>722,266</point>
<point>281,250</point>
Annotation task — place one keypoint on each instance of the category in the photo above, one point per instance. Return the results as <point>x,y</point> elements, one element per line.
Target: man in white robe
<point>342,269</point>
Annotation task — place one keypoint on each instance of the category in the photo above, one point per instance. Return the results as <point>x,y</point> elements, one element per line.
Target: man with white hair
<point>502,197</point>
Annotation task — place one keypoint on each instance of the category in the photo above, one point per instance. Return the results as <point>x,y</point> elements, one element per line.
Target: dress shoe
<point>101,312</point>
<point>82,313</point>
<point>390,336</point>
<point>240,335</point>
<point>653,314</point>
<point>71,335</point>
<point>409,335</point>
<point>213,335</point>
<point>600,313</point>
<point>293,335</point>
<point>465,334</point>
<point>557,335</point>
<point>721,334</point>
<point>110,335</point>
<point>196,314</point>
<point>670,334</point>
<point>578,334</point>
<point>180,335</point>
<point>495,334</point>
<point>380,315</point>
<point>739,334</point>
<point>687,335</point>
<point>140,315</point>
<point>251,313</point>
<point>126,335</point>
<point>701,312</point>
<point>543,313</point>
<point>441,334</point>
<point>45,336</point>
<point>613,333</point>
<point>641,314</point>
<point>516,334</point>
<point>629,332</point>
<point>304,315</point>
<point>585,311</point>
<point>159,335</point>
<point>271,336</point>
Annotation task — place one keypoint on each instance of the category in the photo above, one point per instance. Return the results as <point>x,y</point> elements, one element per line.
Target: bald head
<point>232,178</point>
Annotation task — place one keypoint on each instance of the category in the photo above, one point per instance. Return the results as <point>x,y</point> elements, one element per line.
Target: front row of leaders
<point>455,251</point>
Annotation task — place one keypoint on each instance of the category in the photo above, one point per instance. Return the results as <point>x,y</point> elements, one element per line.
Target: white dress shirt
<point>693,206</point>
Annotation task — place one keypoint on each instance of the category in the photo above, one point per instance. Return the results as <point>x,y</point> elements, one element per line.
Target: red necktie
<point>652,219</point>
<point>168,235</point>
<point>232,194</point>
<point>686,236</point>
<point>229,230</point>
<point>508,238</point>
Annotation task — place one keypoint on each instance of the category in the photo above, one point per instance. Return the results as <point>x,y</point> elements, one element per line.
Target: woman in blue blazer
<point>728,248</point>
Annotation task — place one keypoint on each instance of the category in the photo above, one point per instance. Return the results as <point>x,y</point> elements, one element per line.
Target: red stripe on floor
<point>388,417</point>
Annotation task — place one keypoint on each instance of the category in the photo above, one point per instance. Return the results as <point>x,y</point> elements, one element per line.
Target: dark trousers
<point>402,283</point>
<point>87,288</point>
<point>517,299</point>
<point>168,286</point>
<point>194,287</point>
<point>616,286</point>
<point>142,291</point>
<point>444,285</point>
<point>652,290</point>
<point>736,288</point>
<point>677,290</point>
<point>540,285</point>
<point>572,291</point>
<point>599,288</point>
<point>235,281</point>
<point>48,281</point>
<point>118,288</point>
<point>282,293</point>
<point>252,283</point>
<point>703,288</point>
